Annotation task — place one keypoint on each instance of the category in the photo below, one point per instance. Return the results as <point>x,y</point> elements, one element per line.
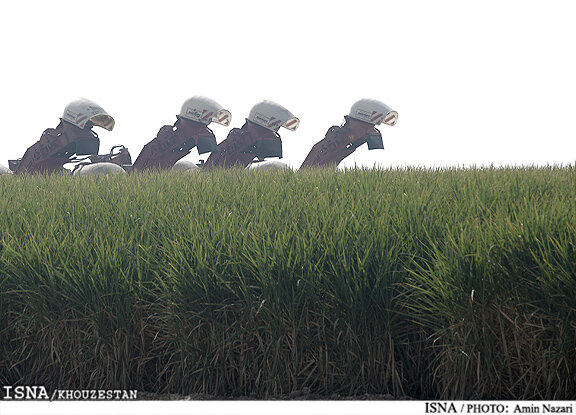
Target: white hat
<point>272,116</point>
<point>373,111</point>
<point>81,111</point>
<point>205,110</point>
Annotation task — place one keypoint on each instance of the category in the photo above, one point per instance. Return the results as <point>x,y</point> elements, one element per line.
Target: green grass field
<point>445,284</point>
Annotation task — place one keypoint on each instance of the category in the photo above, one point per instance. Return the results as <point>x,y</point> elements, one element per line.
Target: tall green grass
<point>429,283</point>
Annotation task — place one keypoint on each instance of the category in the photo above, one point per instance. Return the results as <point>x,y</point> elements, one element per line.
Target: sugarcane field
<point>452,284</point>
<point>303,207</point>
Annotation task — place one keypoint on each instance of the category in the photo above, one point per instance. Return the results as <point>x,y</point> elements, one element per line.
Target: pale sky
<point>483,82</point>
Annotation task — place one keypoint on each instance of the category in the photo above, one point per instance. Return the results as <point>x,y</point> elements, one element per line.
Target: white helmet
<point>268,165</point>
<point>374,112</point>
<point>4,170</point>
<point>185,165</point>
<point>81,111</point>
<point>272,116</point>
<point>205,110</point>
<point>99,169</point>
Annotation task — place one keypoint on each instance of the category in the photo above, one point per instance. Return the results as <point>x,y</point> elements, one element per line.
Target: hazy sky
<point>484,82</point>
